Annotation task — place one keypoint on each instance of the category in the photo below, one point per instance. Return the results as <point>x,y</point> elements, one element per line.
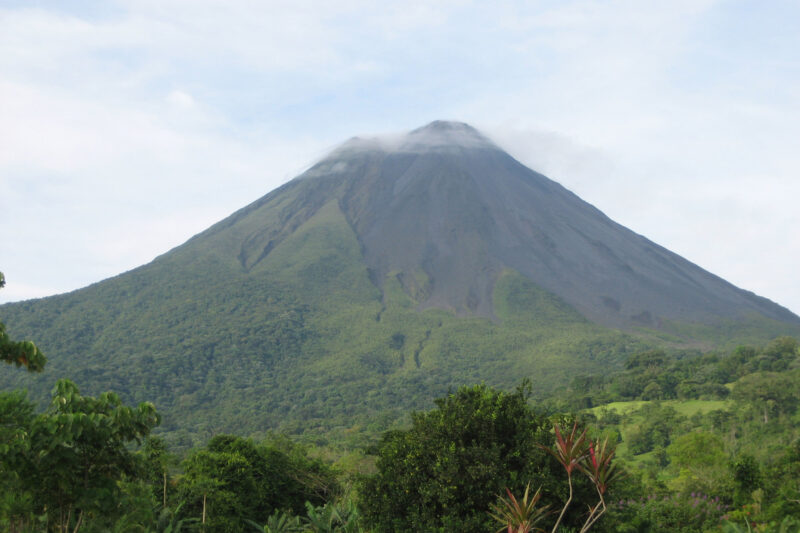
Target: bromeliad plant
<point>570,451</point>
<point>519,516</point>
<point>574,451</point>
<point>599,468</point>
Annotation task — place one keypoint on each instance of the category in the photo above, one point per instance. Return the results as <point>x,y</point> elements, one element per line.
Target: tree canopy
<point>451,465</point>
<point>20,353</point>
<point>68,461</point>
<point>234,479</point>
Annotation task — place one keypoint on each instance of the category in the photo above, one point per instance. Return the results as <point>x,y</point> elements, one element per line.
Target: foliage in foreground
<point>65,465</point>
<point>233,480</point>
<point>19,353</point>
<point>519,516</point>
<point>447,469</point>
<point>71,467</point>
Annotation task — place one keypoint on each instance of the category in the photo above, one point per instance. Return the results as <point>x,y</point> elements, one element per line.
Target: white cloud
<point>180,99</point>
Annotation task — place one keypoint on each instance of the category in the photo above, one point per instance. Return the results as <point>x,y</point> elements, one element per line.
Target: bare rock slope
<point>446,211</point>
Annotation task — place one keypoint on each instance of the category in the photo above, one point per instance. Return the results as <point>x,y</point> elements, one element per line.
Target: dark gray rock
<point>445,201</point>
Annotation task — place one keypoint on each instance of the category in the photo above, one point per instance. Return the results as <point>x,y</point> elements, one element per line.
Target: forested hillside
<point>328,357</point>
<point>717,449</point>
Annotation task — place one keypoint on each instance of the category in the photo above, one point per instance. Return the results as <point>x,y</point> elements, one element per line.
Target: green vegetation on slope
<point>691,465</point>
<point>677,374</point>
<point>302,343</point>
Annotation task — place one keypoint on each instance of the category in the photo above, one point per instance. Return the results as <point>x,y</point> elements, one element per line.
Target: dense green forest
<point>249,355</point>
<point>673,441</point>
<point>307,344</point>
<point>458,467</point>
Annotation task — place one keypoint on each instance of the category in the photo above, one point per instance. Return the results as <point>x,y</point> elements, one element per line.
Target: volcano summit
<point>446,206</point>
<point>388,272</point>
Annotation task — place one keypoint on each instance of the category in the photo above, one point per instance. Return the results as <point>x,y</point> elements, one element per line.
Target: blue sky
<point>126,127</point>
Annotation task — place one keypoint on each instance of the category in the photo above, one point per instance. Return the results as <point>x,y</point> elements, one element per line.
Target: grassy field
<point>684,407</point>
<point>632,420</point>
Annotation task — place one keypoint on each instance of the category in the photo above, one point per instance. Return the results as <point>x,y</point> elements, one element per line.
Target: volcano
<point>447,206</point>
<point>388,272</point>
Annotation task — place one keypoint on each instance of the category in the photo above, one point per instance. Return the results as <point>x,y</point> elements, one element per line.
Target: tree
<point>20,353</point>
<point>652,391</point>
<point>699,458</point>
<point>782,347</point>
<point>651,360</point>
<point>70,460</point>
<point>234,479</point>
<point>16,415</point>
<point>768,391</point>
<point>156,459</point>
<point>215,479</point>
<point>746,478</point>
<point>448,468</point>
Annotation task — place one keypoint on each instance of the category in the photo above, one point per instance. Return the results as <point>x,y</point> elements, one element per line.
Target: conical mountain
<point>388,272</point>
<point>447,211</point>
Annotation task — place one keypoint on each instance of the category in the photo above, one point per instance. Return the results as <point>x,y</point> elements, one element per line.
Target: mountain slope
<point>446,204</point>
<point>372,283</point>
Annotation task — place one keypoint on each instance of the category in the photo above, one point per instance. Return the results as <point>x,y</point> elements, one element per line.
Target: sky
<point>128,126</point>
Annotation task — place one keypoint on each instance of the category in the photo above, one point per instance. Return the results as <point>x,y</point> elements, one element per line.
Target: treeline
<point>463,466</point>
<point>72,468</point>
<point>724,428</point>
<point>657,375</point>
<point>69,469</point>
